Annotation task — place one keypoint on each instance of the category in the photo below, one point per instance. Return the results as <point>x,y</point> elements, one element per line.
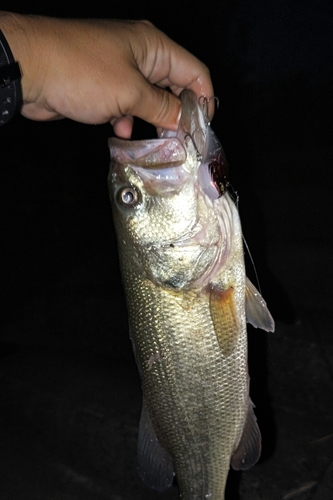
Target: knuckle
<point>145,22</point>
<point>144,25</point>
<point>162,111</point>
<point>133,101</point>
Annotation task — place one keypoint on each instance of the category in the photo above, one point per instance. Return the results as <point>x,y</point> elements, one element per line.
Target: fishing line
<point>234,195</point>
<point>252,262</point>
<point>270,353</point>
<point>235,198</point>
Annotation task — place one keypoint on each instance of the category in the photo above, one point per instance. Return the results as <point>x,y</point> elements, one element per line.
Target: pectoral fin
<point>249,448</point>
<point>224,317</point>
<point>154,463</point>
<point>257,312</point>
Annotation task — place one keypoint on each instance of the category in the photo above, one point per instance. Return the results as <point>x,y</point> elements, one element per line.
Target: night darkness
<point>70,393</point>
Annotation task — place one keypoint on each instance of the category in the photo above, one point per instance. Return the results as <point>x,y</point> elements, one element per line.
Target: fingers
<point>123,127</point>
<point>165,61</point>
<point>97,71</point>
<point>167,64</point>
<point>157,106</point>
<point>186,71</point>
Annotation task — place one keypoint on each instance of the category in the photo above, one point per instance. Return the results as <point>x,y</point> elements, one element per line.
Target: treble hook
<point>198,154</point>
<point>204,103</point>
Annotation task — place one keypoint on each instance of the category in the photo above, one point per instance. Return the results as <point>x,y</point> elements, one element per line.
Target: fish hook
<point>199,155</point>
<point>204,103</point>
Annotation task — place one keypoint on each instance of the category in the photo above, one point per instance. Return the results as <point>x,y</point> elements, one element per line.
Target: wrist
<point>10,83</point>
<point>21,35</point>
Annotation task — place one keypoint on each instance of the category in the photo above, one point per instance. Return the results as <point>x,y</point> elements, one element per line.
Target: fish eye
<point>128,196</point>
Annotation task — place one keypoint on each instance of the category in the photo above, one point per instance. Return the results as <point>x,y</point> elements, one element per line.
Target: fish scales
<point>185,287</point>
<point>182,388</point>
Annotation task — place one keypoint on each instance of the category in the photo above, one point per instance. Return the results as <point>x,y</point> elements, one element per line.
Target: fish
<point>181,256</point>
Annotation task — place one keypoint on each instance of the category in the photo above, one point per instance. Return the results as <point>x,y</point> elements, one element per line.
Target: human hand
<point>94,71</point>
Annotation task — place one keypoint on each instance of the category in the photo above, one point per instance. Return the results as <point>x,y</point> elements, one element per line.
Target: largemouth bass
<point>181,256</point>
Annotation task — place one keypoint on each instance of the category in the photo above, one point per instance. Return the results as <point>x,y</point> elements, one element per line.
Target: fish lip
<point>148,153</point>
<point>170,147</point>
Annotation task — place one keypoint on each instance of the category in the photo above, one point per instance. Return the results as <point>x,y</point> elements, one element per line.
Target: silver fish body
<point>181,256</point>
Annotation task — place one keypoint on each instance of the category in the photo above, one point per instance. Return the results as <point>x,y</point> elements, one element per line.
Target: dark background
<point>70,393</point>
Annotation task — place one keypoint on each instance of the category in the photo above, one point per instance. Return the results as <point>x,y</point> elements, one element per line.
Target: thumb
<point>157,106</point>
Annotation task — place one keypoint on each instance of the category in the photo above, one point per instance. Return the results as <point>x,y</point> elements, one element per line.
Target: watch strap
<point>10,83</point>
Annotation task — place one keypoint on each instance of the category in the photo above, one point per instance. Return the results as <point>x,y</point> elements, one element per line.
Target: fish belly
<point>196,397</point>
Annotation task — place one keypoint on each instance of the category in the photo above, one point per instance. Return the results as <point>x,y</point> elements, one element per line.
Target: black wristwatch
<point>10,83</point>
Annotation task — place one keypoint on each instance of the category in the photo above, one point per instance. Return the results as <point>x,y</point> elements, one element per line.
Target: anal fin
<point>154,463</point>
<point>248,450</point>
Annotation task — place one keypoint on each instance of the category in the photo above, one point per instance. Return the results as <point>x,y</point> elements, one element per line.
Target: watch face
<point>10,83</point>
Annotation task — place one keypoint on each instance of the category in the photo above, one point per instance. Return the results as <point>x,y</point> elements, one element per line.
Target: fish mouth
<point>165,163</point>
<point>178,167</point>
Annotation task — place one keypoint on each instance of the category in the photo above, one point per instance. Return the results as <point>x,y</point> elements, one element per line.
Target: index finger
<point>168,64</point>
<point>187,71</point>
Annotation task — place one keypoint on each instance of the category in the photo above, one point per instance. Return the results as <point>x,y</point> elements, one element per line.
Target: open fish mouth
<point>165,163</point>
